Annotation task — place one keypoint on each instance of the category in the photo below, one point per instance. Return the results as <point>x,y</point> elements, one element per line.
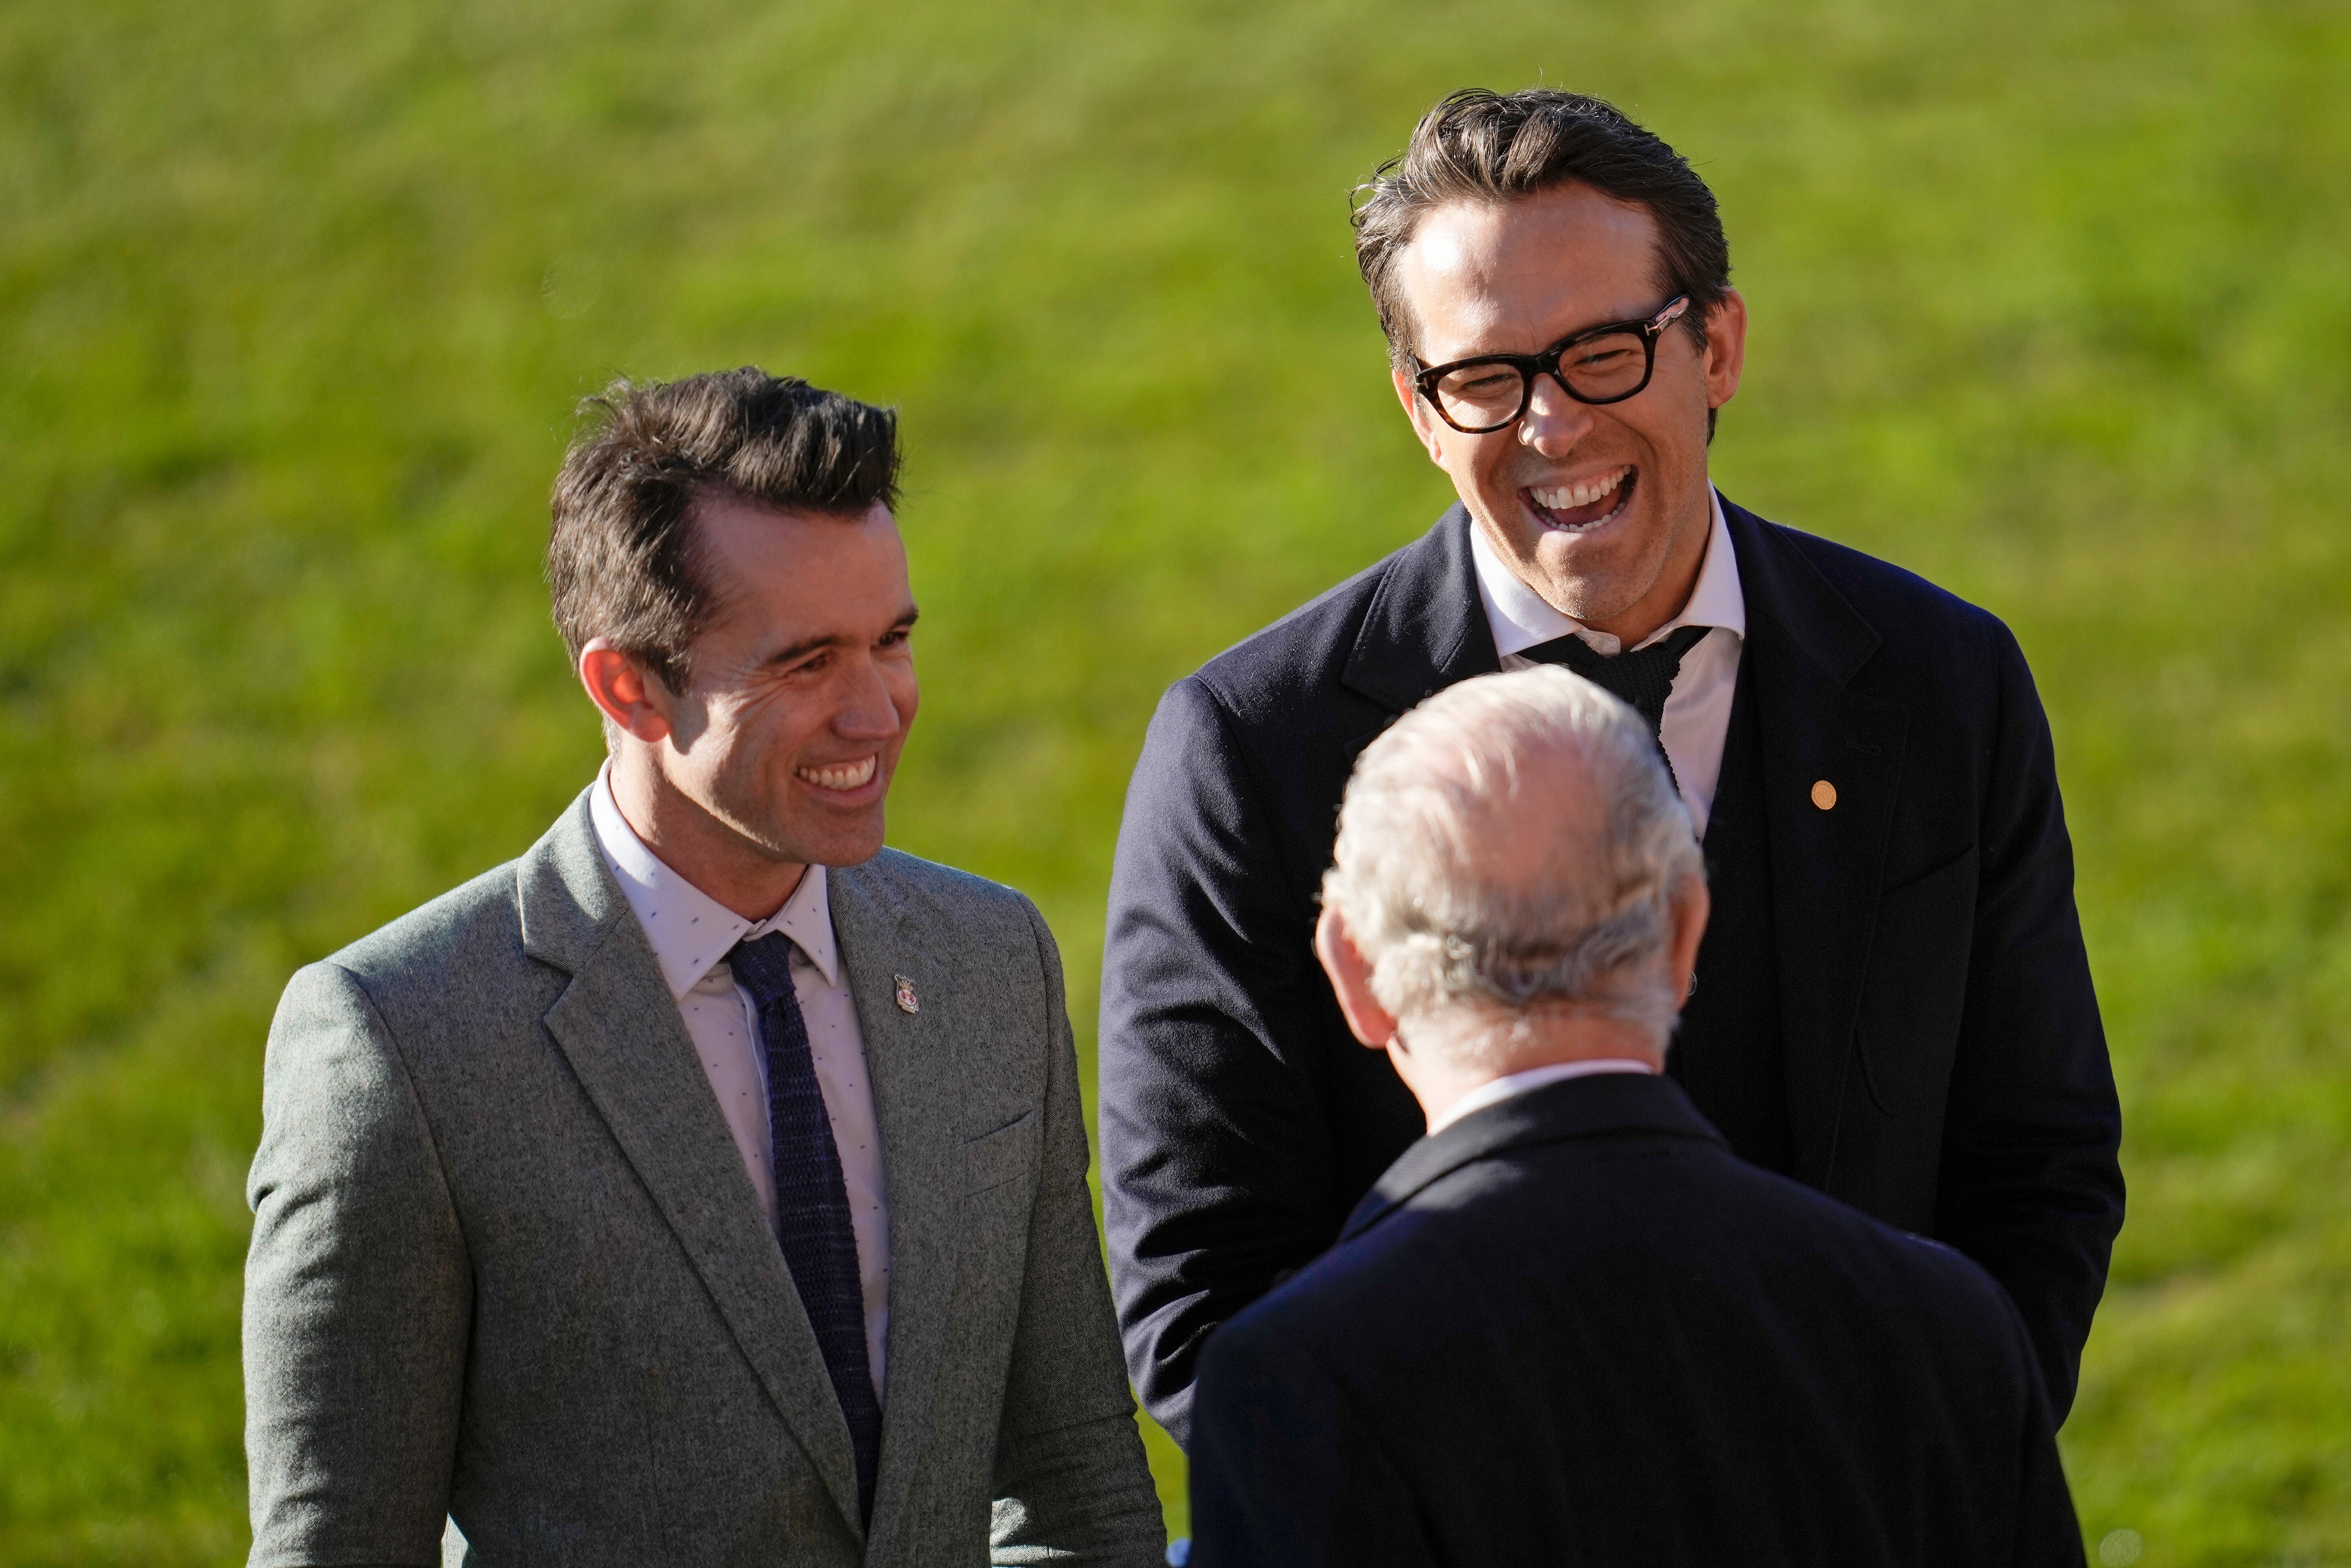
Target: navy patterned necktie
<point>1644,677</point>
<point>812,1219</point>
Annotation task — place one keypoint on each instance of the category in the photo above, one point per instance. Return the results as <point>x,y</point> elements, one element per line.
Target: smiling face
<point>1602,510</point>
<point>804,685</point>
<point>780,754</point>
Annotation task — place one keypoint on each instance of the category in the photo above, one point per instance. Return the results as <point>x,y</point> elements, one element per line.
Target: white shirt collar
<point>1522,618</point>
<point>1511,1085</point>
<point>691,931</point>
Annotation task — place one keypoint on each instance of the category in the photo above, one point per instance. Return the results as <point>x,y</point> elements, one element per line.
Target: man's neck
<point>696,845</point>
<point>1440,1071</point>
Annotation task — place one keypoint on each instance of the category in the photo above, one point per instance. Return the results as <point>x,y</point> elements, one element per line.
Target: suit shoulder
<point>477,920</point>
<point>1364,1291</point>
<point>1937,1279</point>
<point>941,894</point>
<point>1944,1274</point>
<point>452,971</point>
<point>912,875</point>
<point>1299,654</point>
<point>1901,605</point>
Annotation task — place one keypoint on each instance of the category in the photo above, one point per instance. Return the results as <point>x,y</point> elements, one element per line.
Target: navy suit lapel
<point>1827,863</point>
<point>1424,628</point>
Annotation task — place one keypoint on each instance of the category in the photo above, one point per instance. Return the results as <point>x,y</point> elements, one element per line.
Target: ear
<point>1424,423</point>
<point>630,695</point>
<point>1726,349</point>
<point>1691,904</point>
<point>1350,977</point>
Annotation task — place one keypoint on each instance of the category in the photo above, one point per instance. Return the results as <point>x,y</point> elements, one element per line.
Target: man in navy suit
<point>1893,1005</point>
<point>1568,1326</point>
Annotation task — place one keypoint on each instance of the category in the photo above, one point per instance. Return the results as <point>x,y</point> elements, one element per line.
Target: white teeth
<point>1561,497</point>
<point>840,775</point>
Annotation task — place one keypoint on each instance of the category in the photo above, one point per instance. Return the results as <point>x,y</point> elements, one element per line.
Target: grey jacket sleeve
<point>357,1295</point>
<point>1072,1484</point>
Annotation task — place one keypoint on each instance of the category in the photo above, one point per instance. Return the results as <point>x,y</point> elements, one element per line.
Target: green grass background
<point>2050,303</point>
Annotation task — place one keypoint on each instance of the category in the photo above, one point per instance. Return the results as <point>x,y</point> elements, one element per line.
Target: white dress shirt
<point>1696,721</point>
<point>692,934</point>
<point>1513,1084</point>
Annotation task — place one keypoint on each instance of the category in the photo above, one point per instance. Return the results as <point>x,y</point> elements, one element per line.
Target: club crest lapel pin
<point>907,1001</point>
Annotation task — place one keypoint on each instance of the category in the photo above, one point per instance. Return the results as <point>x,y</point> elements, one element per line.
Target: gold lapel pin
<point>1823,794</point>
<point>907,1001</point>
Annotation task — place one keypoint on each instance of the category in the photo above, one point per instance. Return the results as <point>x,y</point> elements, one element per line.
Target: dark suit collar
<point>1601,1105</point>
<point>1806,644</point>
<point>1816,619</point>
<point>1425,627</point>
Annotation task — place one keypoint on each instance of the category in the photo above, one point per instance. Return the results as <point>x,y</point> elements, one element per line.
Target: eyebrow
<point>803,649</point>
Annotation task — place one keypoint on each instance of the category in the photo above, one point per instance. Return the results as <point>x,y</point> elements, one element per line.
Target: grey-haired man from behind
<point>1568,1326</point>
<point>709,1184</point>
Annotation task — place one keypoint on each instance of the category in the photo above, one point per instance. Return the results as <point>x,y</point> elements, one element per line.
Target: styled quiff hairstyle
<point>1482,146</point>
<point>622,560</point>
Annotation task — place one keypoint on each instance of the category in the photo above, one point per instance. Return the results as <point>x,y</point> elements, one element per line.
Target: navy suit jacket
<point>1944,1066</point>
<point>1573,1328</point>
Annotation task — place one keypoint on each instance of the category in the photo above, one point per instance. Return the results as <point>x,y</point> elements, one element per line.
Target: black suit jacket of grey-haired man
<point>1571,1329</point>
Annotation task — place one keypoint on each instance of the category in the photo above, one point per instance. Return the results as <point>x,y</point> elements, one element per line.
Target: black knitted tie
<point>1644,677</point>
<point>812,1219</point>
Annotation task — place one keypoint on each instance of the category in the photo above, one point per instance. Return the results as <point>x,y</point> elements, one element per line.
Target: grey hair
<point>1512,843</point>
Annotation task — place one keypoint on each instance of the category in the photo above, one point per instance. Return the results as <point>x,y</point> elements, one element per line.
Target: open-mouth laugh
<point>1585,505</point>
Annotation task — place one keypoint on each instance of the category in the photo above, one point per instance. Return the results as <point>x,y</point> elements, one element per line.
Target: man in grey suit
<point>709,1184</point>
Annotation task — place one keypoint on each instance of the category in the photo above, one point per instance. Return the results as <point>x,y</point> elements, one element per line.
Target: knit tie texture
<point>1643,676</point>
<point>812,1220</point>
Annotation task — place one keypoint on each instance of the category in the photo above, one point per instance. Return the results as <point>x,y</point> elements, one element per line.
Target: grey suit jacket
<point>506,1264</point>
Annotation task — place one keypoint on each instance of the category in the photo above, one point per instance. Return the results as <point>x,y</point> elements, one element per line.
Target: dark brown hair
<point>622,559</point>
<point>1482,146</point>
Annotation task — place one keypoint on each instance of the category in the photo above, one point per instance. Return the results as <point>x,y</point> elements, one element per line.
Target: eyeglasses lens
<point>1607,366</point>
<point>1481,397</point>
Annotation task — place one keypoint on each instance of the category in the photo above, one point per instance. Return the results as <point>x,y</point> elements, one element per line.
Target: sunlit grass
<point>294,297</point>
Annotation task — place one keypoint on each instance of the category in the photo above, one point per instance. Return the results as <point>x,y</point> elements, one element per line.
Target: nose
<point>870,709</point>
<point>1553,422</point>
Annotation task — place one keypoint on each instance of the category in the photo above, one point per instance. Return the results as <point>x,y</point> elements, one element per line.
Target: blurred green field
<point>2050,303</point>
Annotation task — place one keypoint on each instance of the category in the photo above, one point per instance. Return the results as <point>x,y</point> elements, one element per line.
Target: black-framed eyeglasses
<point>1598,365</point>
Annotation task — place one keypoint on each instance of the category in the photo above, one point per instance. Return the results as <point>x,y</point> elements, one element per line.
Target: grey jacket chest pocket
<point>1916,987</point>
<point>1006,1154</point>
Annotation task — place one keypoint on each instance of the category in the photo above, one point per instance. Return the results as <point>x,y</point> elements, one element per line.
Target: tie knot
<point>1643,676</point>
<point>763,966</point>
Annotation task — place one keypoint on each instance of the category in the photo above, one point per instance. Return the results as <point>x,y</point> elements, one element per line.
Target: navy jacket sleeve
<point>1217,1168</point>
<point>2048,1532</point>
<point>2029,1185</point>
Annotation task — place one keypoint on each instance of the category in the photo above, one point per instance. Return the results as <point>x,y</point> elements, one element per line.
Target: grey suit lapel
<point>910,1059</point>
<point>620,1031</point>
